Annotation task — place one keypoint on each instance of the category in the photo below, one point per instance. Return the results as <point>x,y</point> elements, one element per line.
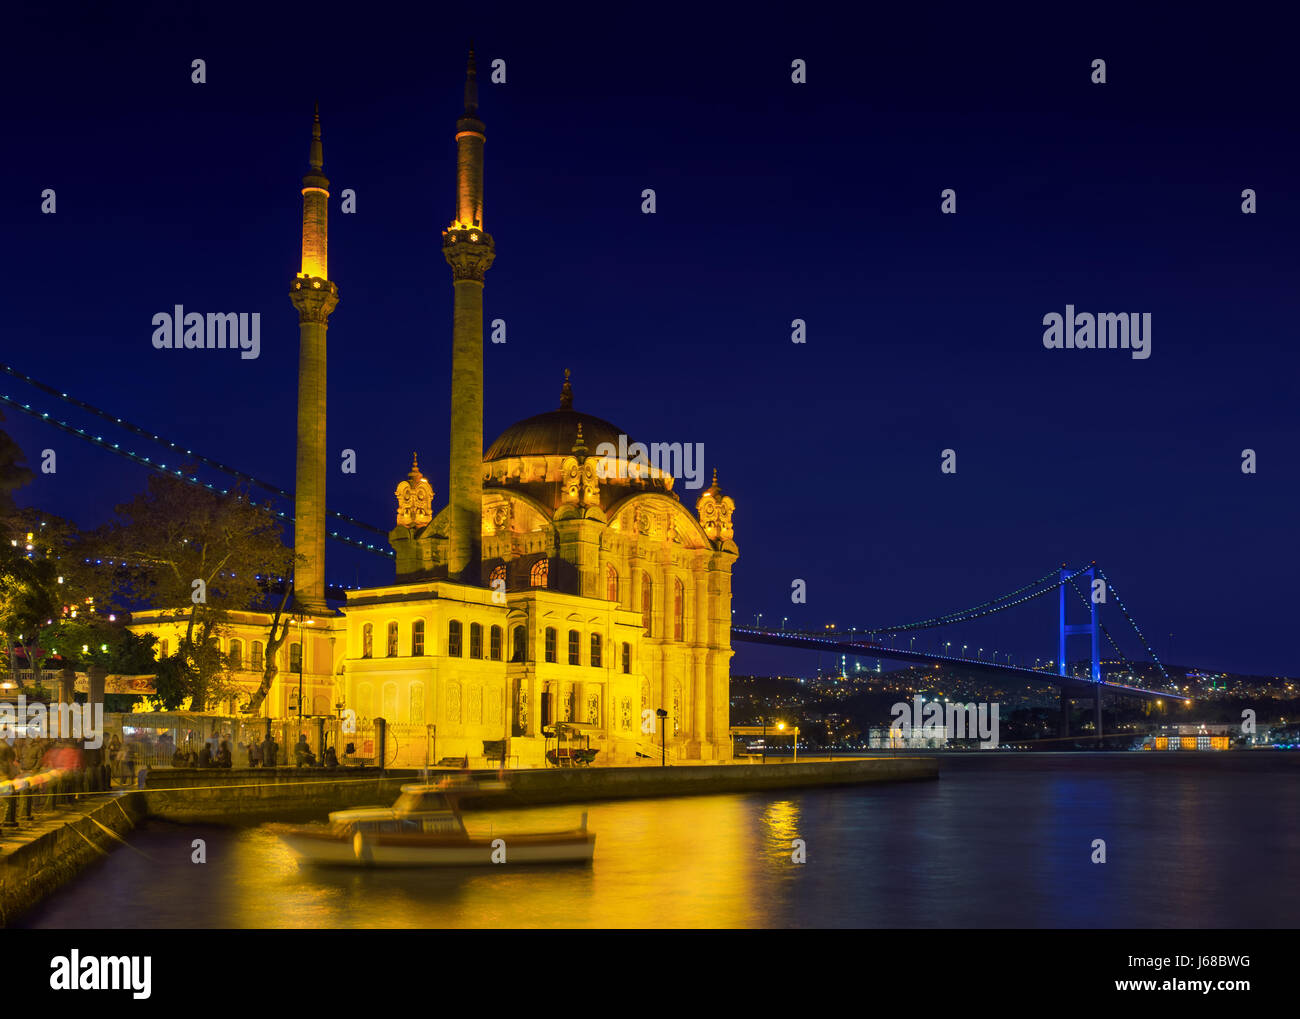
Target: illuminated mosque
<point>544,590</point>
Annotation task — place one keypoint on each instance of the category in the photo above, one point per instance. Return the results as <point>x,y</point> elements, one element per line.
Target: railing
<point>655,752</point>
<point>25,797</point>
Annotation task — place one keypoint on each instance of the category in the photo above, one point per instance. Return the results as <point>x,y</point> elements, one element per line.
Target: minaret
<point>315,297</point>
<point>469,251</point>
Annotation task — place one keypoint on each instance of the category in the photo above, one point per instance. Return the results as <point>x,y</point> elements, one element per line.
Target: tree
<point>280,621</point>
<point>196,555</point>
<point>13,472</point>
<point>52,597</point>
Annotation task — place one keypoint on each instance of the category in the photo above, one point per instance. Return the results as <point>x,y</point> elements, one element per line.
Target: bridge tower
<point>1090,628</point>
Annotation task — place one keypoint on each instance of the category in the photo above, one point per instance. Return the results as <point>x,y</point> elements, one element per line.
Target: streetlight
<point>963,650</point>
<point>663,741</point>
<point>946,645</point>
<point>758,621</point>
<point>911,644</point>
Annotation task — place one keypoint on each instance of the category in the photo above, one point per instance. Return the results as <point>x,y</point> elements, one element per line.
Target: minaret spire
<point>314,297</point>
<point>469,251</point>
<point>316,157</point>
<point>471,84</point>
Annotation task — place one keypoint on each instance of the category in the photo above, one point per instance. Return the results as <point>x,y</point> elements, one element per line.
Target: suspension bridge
<point>878,642</point>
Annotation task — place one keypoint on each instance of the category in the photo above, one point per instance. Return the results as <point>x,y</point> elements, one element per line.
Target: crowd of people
<point>118,760</point>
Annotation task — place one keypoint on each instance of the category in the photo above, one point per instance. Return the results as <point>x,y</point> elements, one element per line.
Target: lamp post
<point>663,740</point>
<point>765,735</point>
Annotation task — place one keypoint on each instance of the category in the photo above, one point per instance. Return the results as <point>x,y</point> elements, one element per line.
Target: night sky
<point>776,201</point>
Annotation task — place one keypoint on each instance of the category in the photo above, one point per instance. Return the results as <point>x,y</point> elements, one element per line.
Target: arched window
<point>162,649</point>
<point>627,657</point>
<point>611,582</point>
<point>236,656</point>
<point>476,640</point>
<point>537,576</point>
<point>575,647</point>
<point>550,644</point>
<point>521,645</point>
<point>494,644</point>
<point>365,701</point>
<point>453,638</point>
<point>368,641</point>
<point>392,639</point>
<point>417,638</point>
<point>416,697</point>
<point>679,609</point>
<point>498,573</point>
<point>295,657</point>
<point>594,660</point>
<point>647,600</point>
<point>257,659</point>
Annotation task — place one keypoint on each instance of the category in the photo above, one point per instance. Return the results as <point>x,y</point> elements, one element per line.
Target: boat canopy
<point>420,799</point>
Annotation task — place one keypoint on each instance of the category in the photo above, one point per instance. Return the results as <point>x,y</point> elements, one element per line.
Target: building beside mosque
<point>552,586</point>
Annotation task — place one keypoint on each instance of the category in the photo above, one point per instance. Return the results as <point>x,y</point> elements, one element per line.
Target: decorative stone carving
<point>469,251</point>
<point>715,511</point>
<point>414,499</point>
<point>314,298</point>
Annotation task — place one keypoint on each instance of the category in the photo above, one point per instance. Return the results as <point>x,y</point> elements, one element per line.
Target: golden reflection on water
<point>702,861</point>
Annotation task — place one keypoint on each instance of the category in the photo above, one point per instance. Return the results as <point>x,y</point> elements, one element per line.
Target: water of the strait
<point>1000,840</point>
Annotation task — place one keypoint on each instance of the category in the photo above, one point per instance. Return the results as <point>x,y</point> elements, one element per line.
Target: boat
<point>423,828</point>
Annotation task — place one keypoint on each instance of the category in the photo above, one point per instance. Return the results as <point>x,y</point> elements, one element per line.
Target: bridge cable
<point>144,461</point>
<point>145,433</point>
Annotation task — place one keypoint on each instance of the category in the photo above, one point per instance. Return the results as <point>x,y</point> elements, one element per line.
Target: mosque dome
<point>551,434</point>
<point>554,433</point>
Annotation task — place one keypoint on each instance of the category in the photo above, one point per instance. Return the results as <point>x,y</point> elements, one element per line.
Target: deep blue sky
<point>775,201</point>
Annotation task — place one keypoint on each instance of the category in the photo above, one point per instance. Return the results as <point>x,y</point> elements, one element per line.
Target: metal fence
<point>408,745</point>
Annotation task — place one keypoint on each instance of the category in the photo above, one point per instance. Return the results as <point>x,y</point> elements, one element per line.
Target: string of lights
<point>1110,588</point>
<point>154,437</point>
<point>986,608</point>
<point>162,468</point>
<point>1122,657</point>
